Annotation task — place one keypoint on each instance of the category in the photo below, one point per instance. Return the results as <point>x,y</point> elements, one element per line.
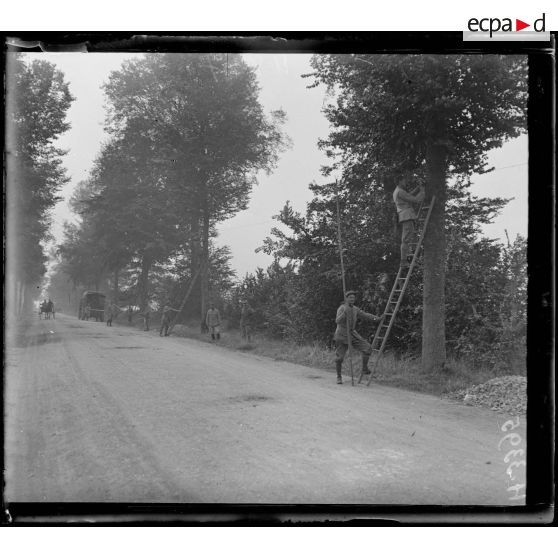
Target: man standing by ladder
<point>347,315</point>
<point>404,200</point>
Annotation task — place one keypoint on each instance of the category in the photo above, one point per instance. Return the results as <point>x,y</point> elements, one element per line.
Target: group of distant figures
<point>46,310</point>
<point>212,320</point>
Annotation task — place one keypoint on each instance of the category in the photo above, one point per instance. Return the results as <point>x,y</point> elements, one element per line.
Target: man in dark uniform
<point>348,312</point>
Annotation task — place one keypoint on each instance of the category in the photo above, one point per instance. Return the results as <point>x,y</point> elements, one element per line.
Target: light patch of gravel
<point>505,394</point>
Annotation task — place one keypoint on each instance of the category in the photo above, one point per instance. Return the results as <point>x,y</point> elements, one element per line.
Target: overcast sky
<point>283,87</point>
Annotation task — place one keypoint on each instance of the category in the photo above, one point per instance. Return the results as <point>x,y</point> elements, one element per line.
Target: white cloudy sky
<point>281,87</point>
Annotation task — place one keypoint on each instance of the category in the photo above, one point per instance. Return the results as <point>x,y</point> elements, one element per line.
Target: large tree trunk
<point>28,294</point>
<point>20,296</point>
<point>14,296</point>
<point>143,282</point>
<point>204,275</point>
<point>196,255</point>
<point>115,295</point>
<point>434,315</point>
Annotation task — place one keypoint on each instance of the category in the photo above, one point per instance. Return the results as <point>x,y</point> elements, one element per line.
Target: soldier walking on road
<point>112,312</point>
<point>166,319</point>
<point>246,321</point>
<point>213,322</point>
<point>130,313</point>
<point>404,200</point>
<point>146,315</point>
<point>348,312</point>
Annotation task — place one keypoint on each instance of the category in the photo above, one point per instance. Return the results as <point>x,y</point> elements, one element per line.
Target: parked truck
<point>92,305</point>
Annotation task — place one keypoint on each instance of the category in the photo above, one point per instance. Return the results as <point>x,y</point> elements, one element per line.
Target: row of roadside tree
<point>187,137</point>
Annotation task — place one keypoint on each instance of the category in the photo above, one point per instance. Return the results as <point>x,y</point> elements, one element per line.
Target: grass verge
<point>405,373</point>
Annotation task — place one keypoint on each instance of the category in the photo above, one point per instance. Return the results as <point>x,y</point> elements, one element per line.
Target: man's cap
<point>348,293</point>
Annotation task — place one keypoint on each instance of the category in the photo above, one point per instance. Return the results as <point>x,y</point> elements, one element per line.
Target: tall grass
<point>405,373</point>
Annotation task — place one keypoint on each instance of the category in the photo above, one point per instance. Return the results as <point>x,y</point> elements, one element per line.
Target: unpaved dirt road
<point>114,414</point>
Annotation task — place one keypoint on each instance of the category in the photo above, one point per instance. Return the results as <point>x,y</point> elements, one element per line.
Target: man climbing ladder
<point>404,199</point>
<point>409,258</point>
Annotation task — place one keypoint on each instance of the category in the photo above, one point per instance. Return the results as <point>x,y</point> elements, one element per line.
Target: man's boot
<point>338,366</point>
<point>365,359</point>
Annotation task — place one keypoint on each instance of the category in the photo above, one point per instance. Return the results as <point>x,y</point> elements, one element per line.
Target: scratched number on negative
<point>513,439</point>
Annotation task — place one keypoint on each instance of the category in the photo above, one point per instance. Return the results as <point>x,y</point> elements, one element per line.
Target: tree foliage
<point>389,109</point>
<point>206,134</point>
<point>371,253</point>
<point>37,101</point>
<point>434,115</point>
<point>188,136</point>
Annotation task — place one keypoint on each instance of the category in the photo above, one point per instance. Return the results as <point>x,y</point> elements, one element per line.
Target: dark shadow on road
<point>24,340</point>
<point>244,398</point>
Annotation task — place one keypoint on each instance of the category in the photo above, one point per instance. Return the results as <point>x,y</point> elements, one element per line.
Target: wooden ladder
<point>398,291</point>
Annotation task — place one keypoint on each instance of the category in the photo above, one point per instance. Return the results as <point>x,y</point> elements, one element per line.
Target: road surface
<point>100,414</point>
